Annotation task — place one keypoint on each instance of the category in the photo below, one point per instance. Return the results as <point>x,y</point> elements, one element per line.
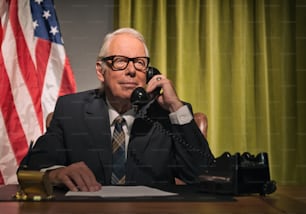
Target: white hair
<point>107,40</point>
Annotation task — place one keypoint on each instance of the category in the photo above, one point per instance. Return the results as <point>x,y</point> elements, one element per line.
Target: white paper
<point>123,191</point>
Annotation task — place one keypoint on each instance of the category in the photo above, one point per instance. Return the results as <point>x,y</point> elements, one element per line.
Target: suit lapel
<point>97,120</point>
<point>140,136</point>
<point>143,128</point>
<point>145,132</point>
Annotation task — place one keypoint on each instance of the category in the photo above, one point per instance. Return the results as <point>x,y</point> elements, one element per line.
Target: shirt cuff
<point>51,168</point>
<point>181,116</point>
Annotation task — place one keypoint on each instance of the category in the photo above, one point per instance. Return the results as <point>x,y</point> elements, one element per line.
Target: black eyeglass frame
<point>111,65</point>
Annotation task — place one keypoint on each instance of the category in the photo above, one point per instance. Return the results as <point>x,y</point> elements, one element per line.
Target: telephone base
<point>238,174</point>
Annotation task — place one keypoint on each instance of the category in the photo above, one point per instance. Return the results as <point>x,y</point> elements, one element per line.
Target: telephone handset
<point>139,96</point>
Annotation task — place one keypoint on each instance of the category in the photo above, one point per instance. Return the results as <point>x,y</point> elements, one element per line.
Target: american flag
<point>34,71</point>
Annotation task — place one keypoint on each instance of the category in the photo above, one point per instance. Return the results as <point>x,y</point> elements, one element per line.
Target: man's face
<point>119,85</point>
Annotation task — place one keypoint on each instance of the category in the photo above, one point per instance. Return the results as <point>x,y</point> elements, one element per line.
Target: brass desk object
<point>34,185</point>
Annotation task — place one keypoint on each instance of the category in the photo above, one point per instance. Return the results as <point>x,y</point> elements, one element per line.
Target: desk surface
<point>287,199</point>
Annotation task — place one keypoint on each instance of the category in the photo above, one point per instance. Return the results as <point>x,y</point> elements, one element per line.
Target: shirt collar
<point>129,116</point>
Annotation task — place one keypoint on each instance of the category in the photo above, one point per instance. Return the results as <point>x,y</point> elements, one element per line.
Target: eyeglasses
<point>117,63</point>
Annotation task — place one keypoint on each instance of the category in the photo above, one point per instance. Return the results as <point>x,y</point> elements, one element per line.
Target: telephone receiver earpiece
<point>139,96</point>
<point>151,72</point>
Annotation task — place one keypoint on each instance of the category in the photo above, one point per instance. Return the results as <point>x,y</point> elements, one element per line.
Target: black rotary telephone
<point>139,96</point>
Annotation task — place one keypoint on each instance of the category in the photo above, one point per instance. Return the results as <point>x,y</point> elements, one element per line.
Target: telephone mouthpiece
<point>139,97</point>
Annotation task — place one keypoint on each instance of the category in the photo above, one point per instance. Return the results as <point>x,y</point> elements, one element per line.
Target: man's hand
<point>76,177</point>
<point>168,99</point>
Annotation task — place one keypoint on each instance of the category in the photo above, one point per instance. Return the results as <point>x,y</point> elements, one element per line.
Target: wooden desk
<point>284,200</point>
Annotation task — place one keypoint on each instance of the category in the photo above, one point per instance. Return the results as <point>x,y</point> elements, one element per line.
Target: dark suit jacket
<point>157,152</point>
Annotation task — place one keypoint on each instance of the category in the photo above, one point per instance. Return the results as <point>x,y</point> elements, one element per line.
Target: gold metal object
<point>34,185</point>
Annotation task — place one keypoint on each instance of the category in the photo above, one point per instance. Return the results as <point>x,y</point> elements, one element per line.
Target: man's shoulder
<point>92,93</point>
<point>75,101</point>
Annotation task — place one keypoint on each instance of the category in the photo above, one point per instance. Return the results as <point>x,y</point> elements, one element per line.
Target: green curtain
<point>242,63</point>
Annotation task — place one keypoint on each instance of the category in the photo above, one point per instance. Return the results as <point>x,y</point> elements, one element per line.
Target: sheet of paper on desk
<point>124,191</point>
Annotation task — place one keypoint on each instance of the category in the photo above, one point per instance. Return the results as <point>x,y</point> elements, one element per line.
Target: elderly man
<point>95,137</point>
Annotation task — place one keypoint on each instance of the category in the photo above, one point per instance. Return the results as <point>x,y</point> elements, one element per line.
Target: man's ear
<point>99,71</point>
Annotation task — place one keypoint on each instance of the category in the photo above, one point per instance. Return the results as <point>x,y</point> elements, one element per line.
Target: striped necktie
<point>118,173</point>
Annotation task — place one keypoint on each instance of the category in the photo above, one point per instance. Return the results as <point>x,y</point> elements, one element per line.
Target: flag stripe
<point>1,178</point>
<point>1,65</point>
<point>42,55</point>
<point>11,119</point>
<point>55,68</point>
<point>8,163</point>
<point>67,79</point>
<point>28,70</point>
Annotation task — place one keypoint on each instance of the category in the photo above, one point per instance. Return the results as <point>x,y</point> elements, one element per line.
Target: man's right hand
<point>77,177</point>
